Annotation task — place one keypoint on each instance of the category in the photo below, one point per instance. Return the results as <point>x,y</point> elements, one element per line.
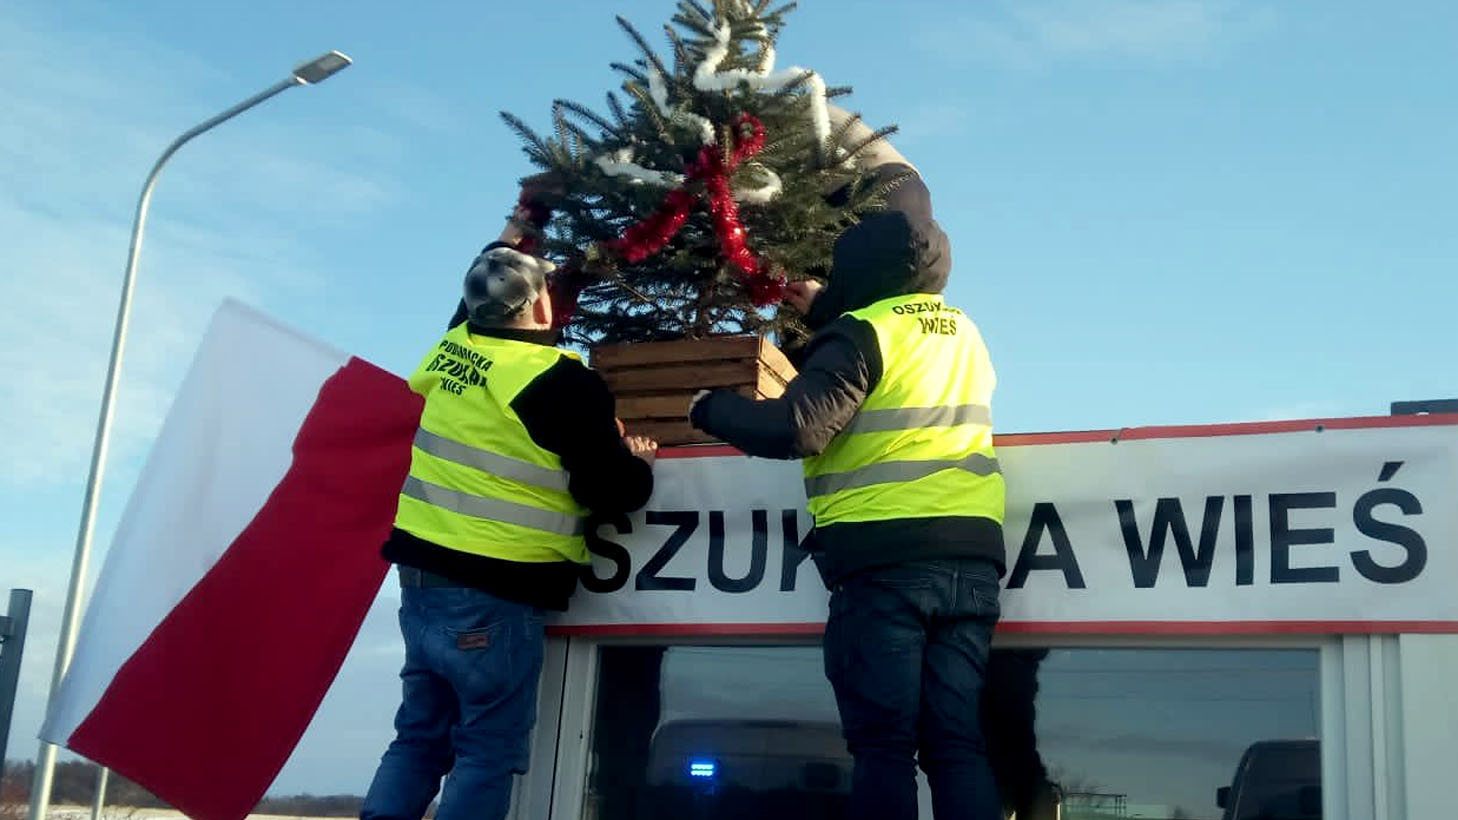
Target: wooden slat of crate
<point>655,382</point>
<point>779,368</point>
<point>691,376</point>
<point>666,406</point>
<point>686,350</point>
<point>708,353</point>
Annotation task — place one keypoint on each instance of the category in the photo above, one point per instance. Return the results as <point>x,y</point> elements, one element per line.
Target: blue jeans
<point>906,651</point>
<point>472,662</point>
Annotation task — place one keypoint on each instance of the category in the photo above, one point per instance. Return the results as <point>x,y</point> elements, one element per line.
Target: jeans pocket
<point>479,661</point>
<point>984,592</point>
<point>474,640</point>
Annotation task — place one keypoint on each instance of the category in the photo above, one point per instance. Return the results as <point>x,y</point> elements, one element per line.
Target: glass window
<point>1158,733</point>
<point>723,731</point>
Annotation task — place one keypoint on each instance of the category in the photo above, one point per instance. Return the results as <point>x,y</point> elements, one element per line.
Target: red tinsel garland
<point>712,168</point>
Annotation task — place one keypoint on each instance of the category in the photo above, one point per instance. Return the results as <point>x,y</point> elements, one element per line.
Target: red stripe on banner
<point>1072,437</point>
<point>209,708</point>
<point>1250,428</point>
<point>1157,628</point>
<point>1245,428</point>
<point>1119,628</point>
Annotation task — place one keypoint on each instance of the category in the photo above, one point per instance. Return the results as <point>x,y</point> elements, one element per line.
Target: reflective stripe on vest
<point>478,483</point>
<point>910,418</point>
<point>888,472</point>
<point>489,462</point>
<point>921,444</point>
<point>494,509</point>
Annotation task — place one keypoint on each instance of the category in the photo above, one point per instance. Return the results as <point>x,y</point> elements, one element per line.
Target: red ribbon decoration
<point>712,168</point>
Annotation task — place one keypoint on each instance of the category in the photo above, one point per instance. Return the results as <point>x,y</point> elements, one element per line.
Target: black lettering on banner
<point>648,578</point>
<point>758,551</point>
<point>1244,542</point>
<point>1283,538</point>
<point>1405,537</point>
<point>792,556</point>
<point>1045,518</point>
<point>615,552</point>
<point>1169,518</point>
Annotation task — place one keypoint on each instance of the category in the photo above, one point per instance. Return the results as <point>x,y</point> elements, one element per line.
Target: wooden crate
<point>655,381</point>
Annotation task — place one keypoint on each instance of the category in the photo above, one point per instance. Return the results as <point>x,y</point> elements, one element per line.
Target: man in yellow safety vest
<point>891,414</point>
<point>517,442</point>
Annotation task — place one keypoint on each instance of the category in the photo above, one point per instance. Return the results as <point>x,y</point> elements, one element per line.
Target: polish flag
<point>241,569</point>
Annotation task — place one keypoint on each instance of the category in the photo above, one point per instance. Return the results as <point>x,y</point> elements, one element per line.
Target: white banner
<point>1347,525</point>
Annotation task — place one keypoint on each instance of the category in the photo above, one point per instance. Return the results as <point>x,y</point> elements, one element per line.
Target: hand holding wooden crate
<point>655,381</point>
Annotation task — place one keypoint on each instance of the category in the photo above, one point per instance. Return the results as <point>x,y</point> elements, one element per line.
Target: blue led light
<point>703,768</point>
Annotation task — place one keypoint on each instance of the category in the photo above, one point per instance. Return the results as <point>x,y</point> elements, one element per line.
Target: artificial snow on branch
<point>658,90</point>
<point>764,193</point>
<point>708,77</point>
<point>703,195</point>
<point>620,164</point>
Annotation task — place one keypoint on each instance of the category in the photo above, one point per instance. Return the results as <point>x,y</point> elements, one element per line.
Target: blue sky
<point>1163,212</point>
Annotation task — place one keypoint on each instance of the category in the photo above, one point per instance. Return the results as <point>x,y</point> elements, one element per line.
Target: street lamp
<point>321,68</point>
<point>311,73</point>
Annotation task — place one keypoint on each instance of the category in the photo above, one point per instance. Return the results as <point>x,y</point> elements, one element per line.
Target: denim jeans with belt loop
<point>906,650</point>
<point>472,661</point>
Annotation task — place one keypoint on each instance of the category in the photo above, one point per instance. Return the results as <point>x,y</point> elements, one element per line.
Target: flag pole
<point>40,794</point>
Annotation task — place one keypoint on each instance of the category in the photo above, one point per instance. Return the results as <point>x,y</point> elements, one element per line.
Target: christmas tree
<point>708,182</point>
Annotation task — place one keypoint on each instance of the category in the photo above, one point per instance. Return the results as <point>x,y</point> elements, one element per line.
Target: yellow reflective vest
<point>478,483</point>
<point>921,444</point>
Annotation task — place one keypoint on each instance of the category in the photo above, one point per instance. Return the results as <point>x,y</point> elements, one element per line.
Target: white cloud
<point>78,137</point>
<point>419,107</point>
<point>1030,33</point>
<point>933,122</point>
<point>86,114</point>
<point>1315,410</point>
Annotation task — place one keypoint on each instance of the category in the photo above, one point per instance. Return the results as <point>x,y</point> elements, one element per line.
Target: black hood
<point>891,252</point>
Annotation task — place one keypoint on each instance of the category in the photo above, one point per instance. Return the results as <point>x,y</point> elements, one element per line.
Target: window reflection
<point>715,732</point>
<point>727,732</point>
<point>1156,733</point>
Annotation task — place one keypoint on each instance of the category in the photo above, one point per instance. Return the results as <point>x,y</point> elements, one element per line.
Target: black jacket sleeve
<point>841,366</point>
<point>570,411</point>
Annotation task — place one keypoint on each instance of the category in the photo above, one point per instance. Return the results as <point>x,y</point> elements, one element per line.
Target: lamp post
<point>13,626</point>
<point>310,73</point>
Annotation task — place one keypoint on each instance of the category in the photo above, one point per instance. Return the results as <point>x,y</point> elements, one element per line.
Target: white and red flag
<point>241,569</point>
